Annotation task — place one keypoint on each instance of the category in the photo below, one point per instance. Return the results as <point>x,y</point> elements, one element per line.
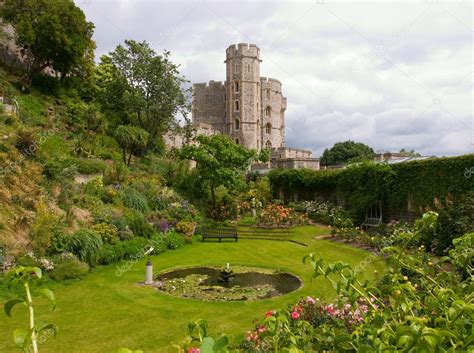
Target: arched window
<point>236,86</point>
<point>237,105</point>
<point>237,141</point>
<point>237,124</point>
<point>268,144</point>
<point>268,111</point>
<point>268,128</point>
<point>268,94</point>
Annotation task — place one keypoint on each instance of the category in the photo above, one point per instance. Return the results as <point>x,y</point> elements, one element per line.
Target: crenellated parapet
<point>243,50</point>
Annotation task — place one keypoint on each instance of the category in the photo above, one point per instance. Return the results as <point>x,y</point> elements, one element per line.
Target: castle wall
<point>209,104</point>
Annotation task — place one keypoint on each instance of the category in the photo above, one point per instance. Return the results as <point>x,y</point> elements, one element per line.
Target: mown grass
<point>104,311</point>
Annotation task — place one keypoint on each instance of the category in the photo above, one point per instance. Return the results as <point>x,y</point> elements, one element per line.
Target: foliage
<point>324,212</point>
<point>347,152</point>
<point>45,225</point>
<point>131,249</point>
<point>67,266</point>
<point>27,279</point>
<point>148,85</point>
<point>107,232</point>
<point>139,225</point>
<point>199,337</point>
<point>219,162</point>
<point>26,142</point>
<point>362,186</point>
<point>134,199</point>
<point>115,173</point>
<point>275,216</point>
<point>174,240</point>
<point>133,141</point>
<point>52,34</point>
<point>83,243</point>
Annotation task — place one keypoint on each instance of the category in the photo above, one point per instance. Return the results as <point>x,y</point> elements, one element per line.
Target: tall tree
<point>149,87</point>
<point>51,34</point>
<point>219,161</point>
<point>347,152</point>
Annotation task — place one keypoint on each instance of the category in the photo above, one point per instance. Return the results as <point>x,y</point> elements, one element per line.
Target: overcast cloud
<point>392,75</point>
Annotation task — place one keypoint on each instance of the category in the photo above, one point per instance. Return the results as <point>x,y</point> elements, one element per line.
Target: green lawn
<point>104,312</point>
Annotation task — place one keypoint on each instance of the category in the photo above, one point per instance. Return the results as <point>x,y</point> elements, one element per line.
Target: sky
<point>389,74</point>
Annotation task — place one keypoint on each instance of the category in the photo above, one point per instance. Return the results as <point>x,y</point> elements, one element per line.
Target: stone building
<point>248,108</point>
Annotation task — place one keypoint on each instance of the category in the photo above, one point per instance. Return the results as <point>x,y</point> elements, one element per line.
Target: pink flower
<point>194,350</point>
<point>295,315</point>
<point>269,313</point>
<point>310,300</point>
<point>330,309</point>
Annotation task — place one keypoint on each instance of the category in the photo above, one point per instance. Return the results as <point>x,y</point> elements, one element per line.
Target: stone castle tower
<point>248,108</point>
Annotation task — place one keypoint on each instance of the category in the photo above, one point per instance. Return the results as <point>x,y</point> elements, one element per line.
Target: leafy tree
<point>51,34</point>
<point>219,161</point>
<point>132,140</point>
<point>347,152</point>
<point>147,88</point>
<point>410,153</point>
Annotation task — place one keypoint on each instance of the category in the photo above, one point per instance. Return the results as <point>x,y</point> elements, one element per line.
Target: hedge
<point>421,183</point>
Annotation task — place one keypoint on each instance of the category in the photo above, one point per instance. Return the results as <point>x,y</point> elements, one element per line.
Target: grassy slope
<point>104,312</point>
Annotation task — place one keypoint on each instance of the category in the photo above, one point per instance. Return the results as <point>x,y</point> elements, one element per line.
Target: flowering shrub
<point>325,212</point>
<point>280,216</point>
<point>108,232</point>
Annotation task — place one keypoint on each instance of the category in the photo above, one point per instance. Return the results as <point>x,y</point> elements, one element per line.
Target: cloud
<point>392,75</point>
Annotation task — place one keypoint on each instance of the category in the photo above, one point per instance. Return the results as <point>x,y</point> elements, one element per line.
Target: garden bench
<point>373,216</point>
<point>219,233</point>
<point>372,222</point>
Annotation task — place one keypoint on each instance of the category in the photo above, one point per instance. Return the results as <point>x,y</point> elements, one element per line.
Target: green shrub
<point>174,240</point>
<point>86,245</point>
<point>26,142</point>
<point>130,249</point>
<point>90,165</point>
<point>45,225</point>
<point>116,173</point>
<point>139,225</point>
<point>107,232</point>
<point>67,266</point>
<point>134,199</point>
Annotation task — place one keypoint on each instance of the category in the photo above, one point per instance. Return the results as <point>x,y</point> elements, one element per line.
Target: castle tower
<point>273,113</point>
<point>243,95</point>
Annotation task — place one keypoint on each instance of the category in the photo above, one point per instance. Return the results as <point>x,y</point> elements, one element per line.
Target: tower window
<point>268,144</point>
<point>237,108</point>
<point>236,86</point>
<point>248,68</point>
<point>237,124</point>
<point>268,111</point>
<point>268,94</point>
<point>268,128</point>
<point>237,141</point>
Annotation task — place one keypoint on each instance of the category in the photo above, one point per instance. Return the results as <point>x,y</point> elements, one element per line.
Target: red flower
<point>295,315</point>
<point>269,313</point>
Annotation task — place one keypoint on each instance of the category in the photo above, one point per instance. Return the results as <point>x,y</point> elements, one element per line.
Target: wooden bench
<point>219,233</point>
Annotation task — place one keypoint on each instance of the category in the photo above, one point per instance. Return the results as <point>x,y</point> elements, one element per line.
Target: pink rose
<point>310,300</point>
<point>295,315</point>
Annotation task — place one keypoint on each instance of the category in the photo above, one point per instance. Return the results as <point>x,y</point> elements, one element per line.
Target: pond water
<point>247,283</point>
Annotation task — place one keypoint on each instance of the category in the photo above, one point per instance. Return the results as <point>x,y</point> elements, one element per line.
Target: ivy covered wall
<point>402,189</point>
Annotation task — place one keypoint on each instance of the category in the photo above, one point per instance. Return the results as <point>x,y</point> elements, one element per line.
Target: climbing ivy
<point>423,184</point>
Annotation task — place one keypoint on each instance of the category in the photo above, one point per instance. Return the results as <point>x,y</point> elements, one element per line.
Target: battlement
<point>267,82</point>
<point>243,49</point>
<point>209,84</point>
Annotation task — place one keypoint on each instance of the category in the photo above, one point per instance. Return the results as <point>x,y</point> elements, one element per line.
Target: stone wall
<point>209,104</point>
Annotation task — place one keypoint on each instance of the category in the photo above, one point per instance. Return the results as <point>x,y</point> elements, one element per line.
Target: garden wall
<point>404,190</point>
